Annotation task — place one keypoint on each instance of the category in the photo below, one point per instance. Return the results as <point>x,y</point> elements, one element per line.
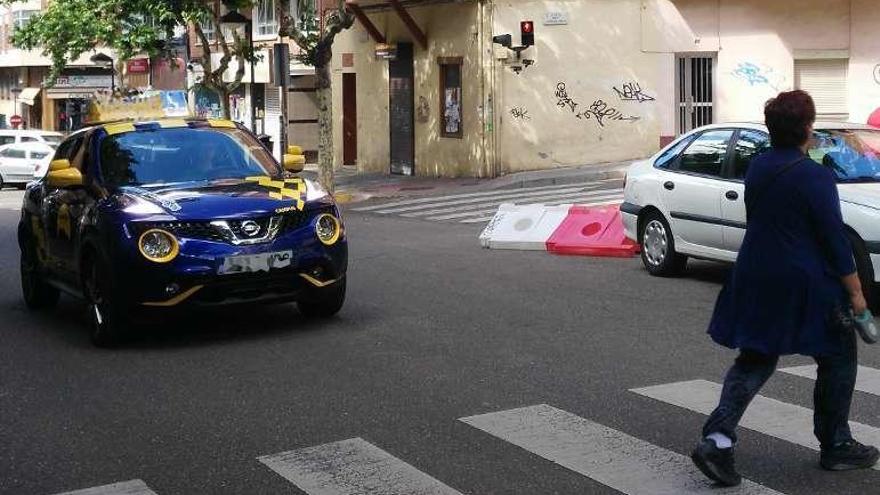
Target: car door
<point>62,209</point>
<point>15,164</point>
<point>38,159</point>
<point>749,144</point>
<point>691,193</point>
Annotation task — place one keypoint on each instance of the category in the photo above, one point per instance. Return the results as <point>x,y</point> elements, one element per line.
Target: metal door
<point>401,111</point>
<point>349,119</point>
<point>695,78</point>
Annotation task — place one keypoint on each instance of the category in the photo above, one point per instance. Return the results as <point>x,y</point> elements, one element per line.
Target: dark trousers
<point>832,395</point>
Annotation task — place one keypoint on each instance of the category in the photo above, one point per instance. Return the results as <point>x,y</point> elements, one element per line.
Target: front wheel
<point>37,293</point>
<point>108,321</point>
<point>324,302</point>
<point>658,247</point>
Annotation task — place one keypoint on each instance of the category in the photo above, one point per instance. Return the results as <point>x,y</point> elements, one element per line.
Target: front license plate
<point>262,262</point>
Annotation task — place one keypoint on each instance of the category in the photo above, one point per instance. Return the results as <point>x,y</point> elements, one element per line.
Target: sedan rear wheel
<point>658,248</point>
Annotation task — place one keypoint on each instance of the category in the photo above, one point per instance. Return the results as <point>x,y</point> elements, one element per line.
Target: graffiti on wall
<point>520,113</point>
<point>602,113</point>
<point>632,91</point>
<point>599,111</point>
<point>562,98</point>
<point>759,75</point>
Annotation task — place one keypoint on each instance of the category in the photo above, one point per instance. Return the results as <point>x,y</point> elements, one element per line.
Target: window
<point>852,154</point>
<point>39,155</point>
<point>28,139</point>
<point>705,155</point>
<point>450,97</point>
<point>826,81</point>
<point>207,26</point>
<point>13,153</point>
<point>304,13</point>
<point>21,17</point>
<point>672,153</point>
<point>749,145</point>
<point>6,140</point>
<point>266,22</point>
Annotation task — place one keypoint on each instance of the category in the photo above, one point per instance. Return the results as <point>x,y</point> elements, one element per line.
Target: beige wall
<point>435,155</point>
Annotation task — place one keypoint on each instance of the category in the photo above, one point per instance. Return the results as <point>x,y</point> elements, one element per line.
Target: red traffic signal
<point>527,32</point>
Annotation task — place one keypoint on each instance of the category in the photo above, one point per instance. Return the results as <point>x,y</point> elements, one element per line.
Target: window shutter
<point>825,80</point>
<point>273,100</point>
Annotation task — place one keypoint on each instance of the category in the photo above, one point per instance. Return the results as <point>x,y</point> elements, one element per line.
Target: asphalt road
<point>435,329</point>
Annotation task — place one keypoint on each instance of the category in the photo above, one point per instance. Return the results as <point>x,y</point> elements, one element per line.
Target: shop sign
<point>83,81</point>
<point>139,66</point>
<point>555,18</point>
<point>386,52</point>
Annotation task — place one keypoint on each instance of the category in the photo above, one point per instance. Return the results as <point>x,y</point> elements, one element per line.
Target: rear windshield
<point>169,156</point>
<point>853,155</point>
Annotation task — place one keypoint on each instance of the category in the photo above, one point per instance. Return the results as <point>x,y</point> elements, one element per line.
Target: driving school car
<point>177,213</point>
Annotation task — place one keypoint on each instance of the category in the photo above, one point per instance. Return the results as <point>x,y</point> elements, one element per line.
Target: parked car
<point>21,163</point>
<point>177,213</point>
<point>687,200</point>
<point>14,136</point>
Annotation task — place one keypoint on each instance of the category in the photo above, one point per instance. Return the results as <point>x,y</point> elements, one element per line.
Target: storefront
<point>68,98</point>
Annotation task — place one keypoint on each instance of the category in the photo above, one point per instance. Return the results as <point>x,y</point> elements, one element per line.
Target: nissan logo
<point>250,228</point>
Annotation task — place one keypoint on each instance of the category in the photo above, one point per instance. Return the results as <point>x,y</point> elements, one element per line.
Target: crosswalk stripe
<point>580,200</point>
<point>771,417</point>
<point>611,457</point>
<point>350,467</point>
<point>431,199</point>
<point>608,201</point>
<point>509,196</point>
<point>524,200</point>
<point>868,380</point>
<point>132,487</point>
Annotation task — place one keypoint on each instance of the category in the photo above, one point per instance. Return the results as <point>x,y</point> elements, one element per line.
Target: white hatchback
<point>24,162</point>
<point>687,200</point>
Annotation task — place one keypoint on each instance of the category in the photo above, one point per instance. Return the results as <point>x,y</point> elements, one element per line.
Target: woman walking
<point>794,273</point>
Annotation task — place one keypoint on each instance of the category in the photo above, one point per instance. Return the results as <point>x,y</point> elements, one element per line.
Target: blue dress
<point>786,281</point>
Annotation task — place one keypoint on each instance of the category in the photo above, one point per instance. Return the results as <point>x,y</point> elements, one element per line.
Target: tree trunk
<point>325,126</point>
<point>224,103</point>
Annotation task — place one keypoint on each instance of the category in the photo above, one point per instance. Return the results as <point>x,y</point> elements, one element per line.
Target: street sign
<point>16,120</point>
<point>555,18</point>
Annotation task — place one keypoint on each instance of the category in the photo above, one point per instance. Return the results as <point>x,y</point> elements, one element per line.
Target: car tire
<point>658,247</point>
<point>108,320</point>
<point>324,302</point>
<point>36,291</point>
<point>866,273</point>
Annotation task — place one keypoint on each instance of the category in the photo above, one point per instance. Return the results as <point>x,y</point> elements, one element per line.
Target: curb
<point>535,179</point>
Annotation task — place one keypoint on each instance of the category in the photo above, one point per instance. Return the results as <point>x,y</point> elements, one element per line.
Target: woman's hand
<point>859,304</point>
<point>856,296</point>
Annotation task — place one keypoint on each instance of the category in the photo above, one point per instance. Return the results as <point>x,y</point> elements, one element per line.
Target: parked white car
<point>24,162</point>
<point>687,200</point>
<point>15,136</point>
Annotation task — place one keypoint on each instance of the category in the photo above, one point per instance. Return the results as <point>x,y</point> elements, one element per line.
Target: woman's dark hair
<point>787,117</point>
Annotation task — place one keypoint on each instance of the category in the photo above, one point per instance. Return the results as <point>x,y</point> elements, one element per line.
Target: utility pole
<point>282,77</point>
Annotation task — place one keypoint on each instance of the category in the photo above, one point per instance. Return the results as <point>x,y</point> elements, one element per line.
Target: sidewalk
<point>353,187</point>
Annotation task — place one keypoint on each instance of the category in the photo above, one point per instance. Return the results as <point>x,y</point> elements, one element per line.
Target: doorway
<point>695,80</point>
<point>349,118</point>
<point>401,111</point>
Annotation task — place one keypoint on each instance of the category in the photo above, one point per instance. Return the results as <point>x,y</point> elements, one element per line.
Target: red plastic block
<point>592,231</point>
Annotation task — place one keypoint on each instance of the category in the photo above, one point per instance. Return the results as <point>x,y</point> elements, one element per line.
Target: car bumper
<point>629,213</point>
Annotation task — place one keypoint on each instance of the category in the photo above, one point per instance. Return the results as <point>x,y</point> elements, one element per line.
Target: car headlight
<point>158,246</point>
<point>328,229</point>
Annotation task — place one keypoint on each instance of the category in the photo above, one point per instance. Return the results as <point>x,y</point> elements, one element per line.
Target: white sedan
<point>687,200</point>
<point>24,162</point>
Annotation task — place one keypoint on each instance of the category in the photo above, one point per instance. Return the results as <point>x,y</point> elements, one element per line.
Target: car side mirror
<point>62,174</point>
<point>294,163</point>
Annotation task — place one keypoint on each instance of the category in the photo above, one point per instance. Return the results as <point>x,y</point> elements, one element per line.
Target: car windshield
<point>853,154</point>
<point>52,139</point>
<point>180,155</point>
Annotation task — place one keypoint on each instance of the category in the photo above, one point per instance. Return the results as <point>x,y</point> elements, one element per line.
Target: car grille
<point>188,230</point>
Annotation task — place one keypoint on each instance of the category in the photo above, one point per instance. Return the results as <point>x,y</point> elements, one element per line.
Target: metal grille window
<point>825,80</point>
<point>450,97</point>
<point>267,25</point>
<point>695,80</point>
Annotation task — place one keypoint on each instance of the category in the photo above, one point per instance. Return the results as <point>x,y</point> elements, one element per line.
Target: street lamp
<point>234,20</point>
<point>104,60</point>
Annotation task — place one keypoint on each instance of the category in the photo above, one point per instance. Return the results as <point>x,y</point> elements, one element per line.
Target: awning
<point>28,95</point>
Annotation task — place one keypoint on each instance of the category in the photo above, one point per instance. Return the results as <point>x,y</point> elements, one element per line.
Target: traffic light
<point>527,31</point>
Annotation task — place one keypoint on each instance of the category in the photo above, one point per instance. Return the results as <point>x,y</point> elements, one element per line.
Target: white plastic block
<point>523,227</point>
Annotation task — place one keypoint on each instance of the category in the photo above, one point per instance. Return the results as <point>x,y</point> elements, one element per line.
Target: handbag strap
<point>750,205</point>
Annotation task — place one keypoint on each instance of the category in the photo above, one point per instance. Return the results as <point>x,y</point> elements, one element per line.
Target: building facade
<point>420,88</point>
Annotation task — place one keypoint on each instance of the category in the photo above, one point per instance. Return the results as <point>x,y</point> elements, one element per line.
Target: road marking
<point>561,198</point>
<point>132,487</point>
<point>351,467</point>
<point>611,200</point>
<point>507,197</point>
<point>432,199</point>
<point>771,417</point>
<point>868,380</point>
<point>611,457</point>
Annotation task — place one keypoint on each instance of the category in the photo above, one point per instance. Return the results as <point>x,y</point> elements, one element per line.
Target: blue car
<point>177,213</point>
